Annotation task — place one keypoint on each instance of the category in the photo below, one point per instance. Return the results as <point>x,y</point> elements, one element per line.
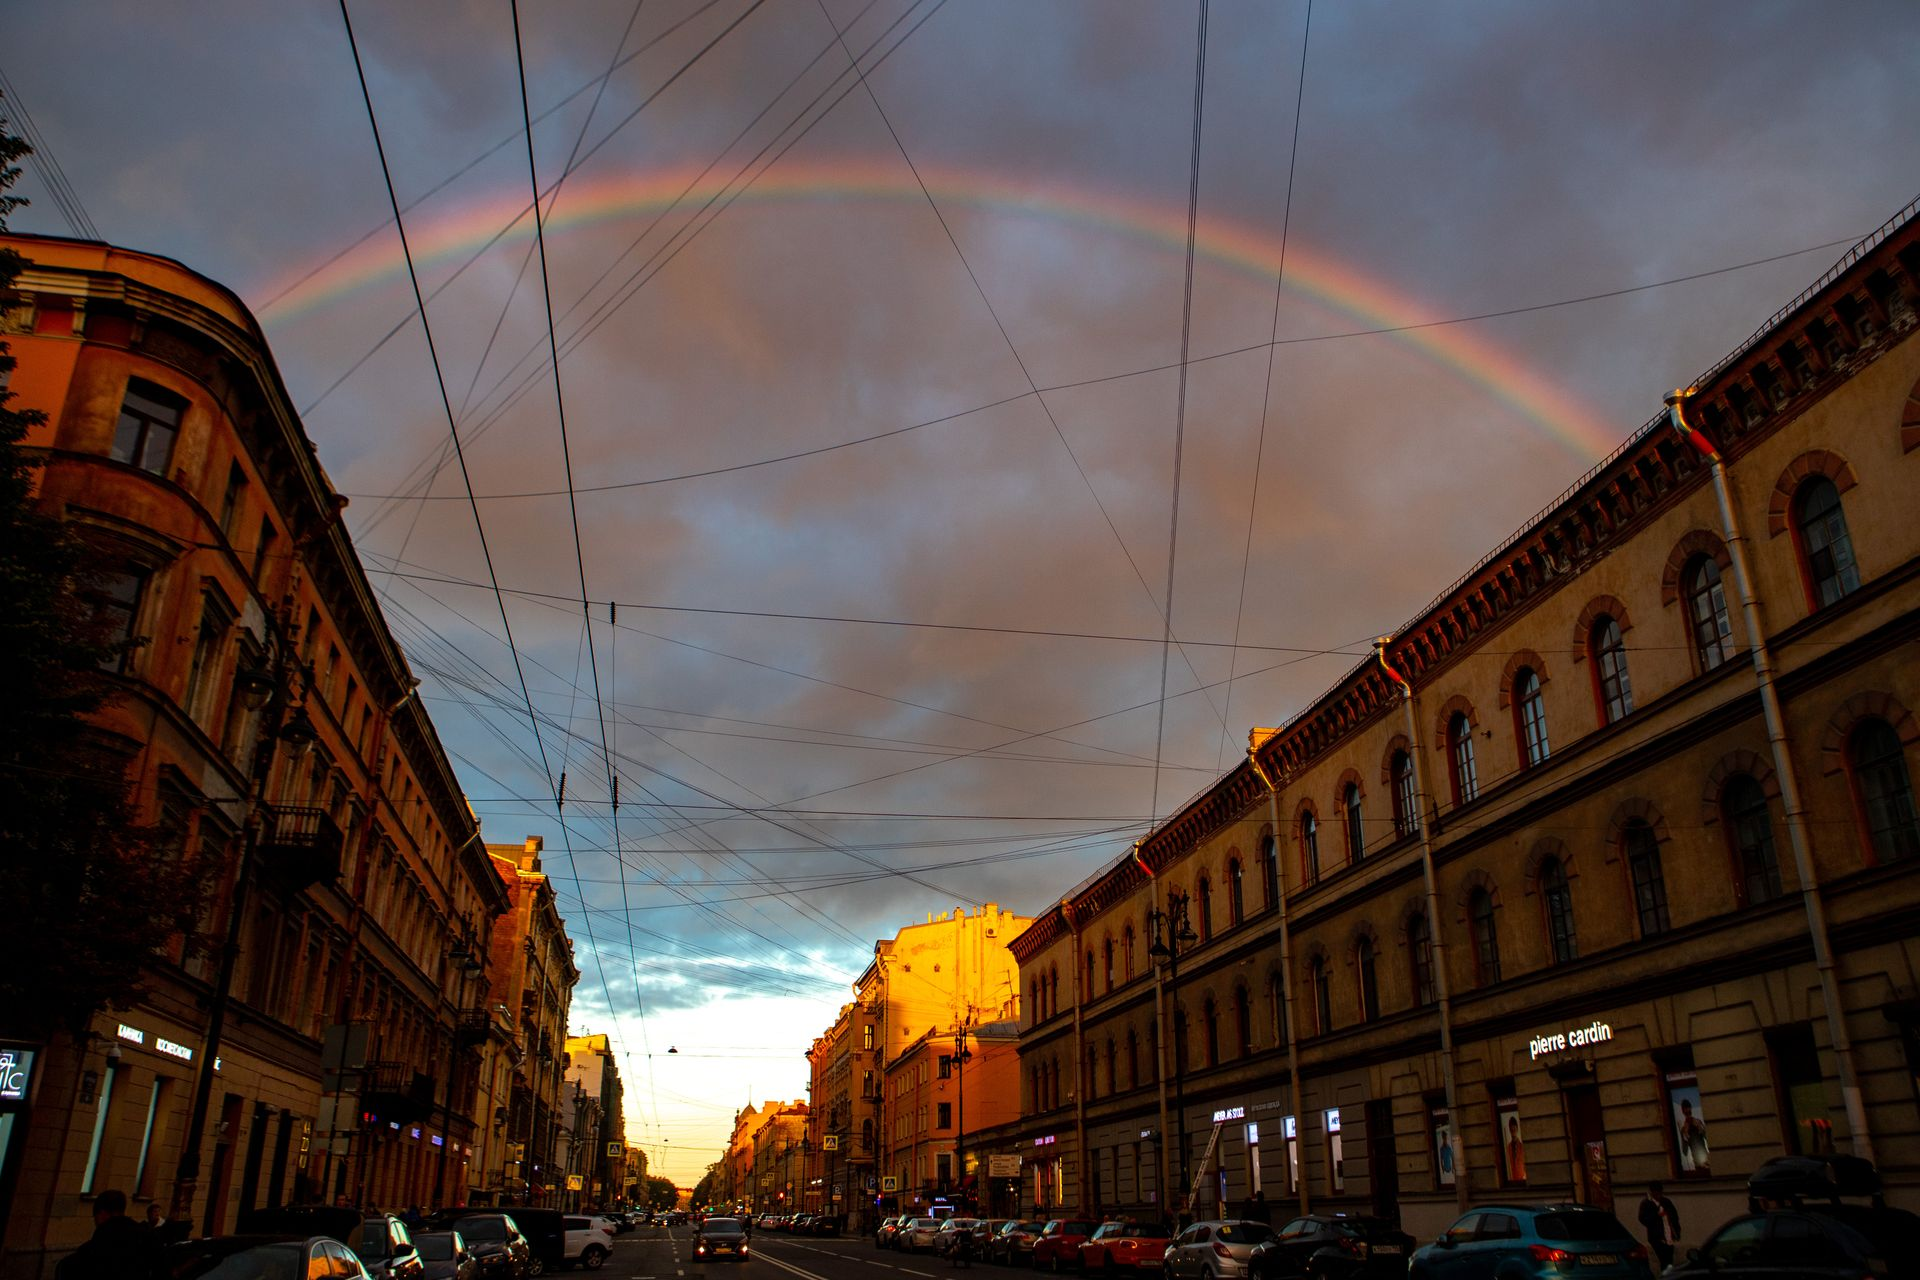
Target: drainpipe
<point>1441,985</point>
<point>1080,995</point>
<point>1255,737</point>
<point>1785,770</point>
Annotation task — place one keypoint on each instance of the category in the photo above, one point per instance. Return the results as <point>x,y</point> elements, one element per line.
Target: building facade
<point>1605,870</point>
<point>593,1073</point>
<point>937,1090</point>
<point>266,717</point>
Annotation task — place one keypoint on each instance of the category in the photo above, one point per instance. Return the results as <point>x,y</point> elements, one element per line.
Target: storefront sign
<point>16,1069</point>
<point>1229,1113</point>
<point>167,1046</point>
<point>1572,1038</point>
<point>132,1035</point>
<point>1043,1142</point>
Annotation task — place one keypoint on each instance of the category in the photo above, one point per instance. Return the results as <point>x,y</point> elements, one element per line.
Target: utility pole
<point>1171,932</point>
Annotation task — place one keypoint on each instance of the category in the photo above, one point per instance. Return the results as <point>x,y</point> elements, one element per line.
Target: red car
<point>1059,1245</point>
<point>1124,1244</point>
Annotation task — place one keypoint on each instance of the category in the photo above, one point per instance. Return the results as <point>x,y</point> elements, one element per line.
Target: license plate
<point>1387,1248</point>
<point>1599,1259</point>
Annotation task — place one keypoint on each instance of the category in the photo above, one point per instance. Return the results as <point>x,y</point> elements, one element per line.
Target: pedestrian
<point>119,1246</point>
<point>1662,1223</point>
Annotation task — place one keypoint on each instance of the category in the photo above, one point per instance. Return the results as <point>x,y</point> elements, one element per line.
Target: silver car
<point>917,1235</point>
<point>1215,1250</point>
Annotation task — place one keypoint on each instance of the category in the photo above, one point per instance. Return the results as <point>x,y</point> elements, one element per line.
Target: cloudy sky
<point>873,402</point>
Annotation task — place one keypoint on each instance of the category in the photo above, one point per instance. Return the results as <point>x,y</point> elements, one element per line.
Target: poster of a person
<point>1690,1130</point>
<point>1513,1152</point>
<point>1443,1151</point>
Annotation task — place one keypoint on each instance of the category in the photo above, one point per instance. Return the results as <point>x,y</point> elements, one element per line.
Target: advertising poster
<point>1443,1147</point>
<point>1689,1123</point>
<point>1513,1151</point>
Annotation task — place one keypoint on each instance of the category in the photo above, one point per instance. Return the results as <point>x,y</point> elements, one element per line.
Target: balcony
<point>300,846</point>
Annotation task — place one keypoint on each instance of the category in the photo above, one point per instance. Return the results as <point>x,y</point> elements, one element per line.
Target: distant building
<point>593,1073</point>
<point>935,1092</point>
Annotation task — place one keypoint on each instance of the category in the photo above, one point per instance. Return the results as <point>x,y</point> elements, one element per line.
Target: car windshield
<point>435,1246</point>
<point>370,1241</point>
<point>931,1224</point>
<point>720,1227</point>
<point>1579,1225</point>
<point>491,1230</point>
<point>262,1262</point>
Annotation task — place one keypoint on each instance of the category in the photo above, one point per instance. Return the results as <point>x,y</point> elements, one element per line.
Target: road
<point>666,1253</point>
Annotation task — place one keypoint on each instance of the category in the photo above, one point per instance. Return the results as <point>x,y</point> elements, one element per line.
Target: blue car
<point>1519,1242</point>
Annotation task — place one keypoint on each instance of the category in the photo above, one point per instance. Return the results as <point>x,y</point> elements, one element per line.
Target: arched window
<point>1404,814</point>
<point>1885,790</point>
<point>1133,1060</point>
<point>1203,907</point>
<point>1363,964</point>
<point>1113,1067</point>
<point>1466,778</point>
<point>1557,897</point>
<point>1269,872</point>
<point>1707,613</point>
<point>1420,956</point>
<point>1236,892</point>
<point>1211,1013</point>
<point>1486,942</point>
<point>1107,952</point>
<point>1649,884</point>
<point>1086,992</point>
<point>1093,1072</point>
<point>1824,541</point>
<point>1743,807</point>
<point>1126,954</point>
<point>1053,990</point>
<point>1356,834</point>
<point>866,1134</point>
<point>1322,981</point>
<point>1608,653</point>
<point>1309,847</point>
<point>1276,1009</point>
<point>1530,718</point>
<point>1242,1023</point>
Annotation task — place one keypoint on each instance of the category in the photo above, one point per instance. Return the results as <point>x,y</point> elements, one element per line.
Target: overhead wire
<point>65,198</point>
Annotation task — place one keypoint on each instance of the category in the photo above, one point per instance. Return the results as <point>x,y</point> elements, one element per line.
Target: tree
<point>703,1190</point>
<point>93,894</point>
<point>661,1193</point>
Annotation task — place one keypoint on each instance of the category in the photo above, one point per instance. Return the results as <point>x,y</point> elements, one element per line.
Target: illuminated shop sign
<point>16,1068</point>
<point>1229,1113</point>
<point>1043,1142</point>
<point>132,1035</point>
<point>167,1046</point>
<point>172,1048</point>
<point>1552,1042</point>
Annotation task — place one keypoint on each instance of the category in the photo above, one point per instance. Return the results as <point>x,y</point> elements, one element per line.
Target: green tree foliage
<point>661,1193</point>
<point>703,1190</point>
<point>91,895</point>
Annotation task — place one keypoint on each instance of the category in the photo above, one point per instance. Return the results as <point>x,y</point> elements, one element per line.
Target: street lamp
<point>961,1056</point>
<point>1172,934</point>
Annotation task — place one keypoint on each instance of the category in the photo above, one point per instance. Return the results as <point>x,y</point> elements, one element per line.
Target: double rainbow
<point>1222,243</point>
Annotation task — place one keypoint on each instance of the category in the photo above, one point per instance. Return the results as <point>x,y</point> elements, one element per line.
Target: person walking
<point>1662,1223</point>
<point>119,1246</point>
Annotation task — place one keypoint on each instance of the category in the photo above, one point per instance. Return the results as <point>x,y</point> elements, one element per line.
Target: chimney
<point>530,860</point>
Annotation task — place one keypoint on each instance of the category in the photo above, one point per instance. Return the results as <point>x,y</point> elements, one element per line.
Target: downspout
<point>1256,737</point>
<point>1784,769</point>
<point>1081,1155</point>
<point>1442,995</point>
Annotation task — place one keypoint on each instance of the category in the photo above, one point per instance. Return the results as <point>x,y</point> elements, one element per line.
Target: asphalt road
<point>666,1253</point>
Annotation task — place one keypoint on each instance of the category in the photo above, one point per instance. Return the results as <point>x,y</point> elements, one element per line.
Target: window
<point>1420,954</point>
<point>114,599</point>
<point>1743,807</point>
<point>1113,1067</point>
<point>230,500</point>
<point>1404,813</point>
<point>1236,892</point>
<point>1242,1022</point>
<point>1363,963</point>
<point>1530,712</point>
<point>944,1114</point>
<point>149,421</point>
<point>1126,954</point>
<point>1276,1009</point>
<point>100,1116</point>
<point>943,1067</point>
<point>1203,898</point>
<point>1557,897</point>
<point>1210,1014</point>
<point>866,1036</point>
<point>1269,872</point>
<point>146,1174</point>
<point>1609,655</point>
<point>262,545</point>
<point>1803,1092</point>
<point>1466,778</point>
<point>1133,1060</point>
<point>1322,980</point>
<point>1309,847</point>
<point>1707,613</point>
<point>1107,951</point>
<point>1356,835</point>
<point>1486,943</point>
<point>1649,885</point>
<point>203,682</point>
<point>1179,1038</point>
<point>1086,992</point>
<point>1824,541</point>
<point>1886,791</point>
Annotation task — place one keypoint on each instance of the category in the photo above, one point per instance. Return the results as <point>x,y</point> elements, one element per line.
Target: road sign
<point>616,1149</point>
<point>830,1143</point>
<point>576,1182</point>
<point>1003,1166</point>
<point>889,1183</point>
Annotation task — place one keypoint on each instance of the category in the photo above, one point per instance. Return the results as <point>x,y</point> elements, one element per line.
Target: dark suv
<point>380,1240</point>
<point>495,1241</point>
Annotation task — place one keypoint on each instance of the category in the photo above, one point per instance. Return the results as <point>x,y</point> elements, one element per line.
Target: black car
<point>257,1257</point>
<point>1814,1243</point>
<point>1338,1246</point>
<point>446,1255</point>
<point>546,1233</point>
<point>495,1241</point>
<point>382,1242</point>
<point>720,1238</point>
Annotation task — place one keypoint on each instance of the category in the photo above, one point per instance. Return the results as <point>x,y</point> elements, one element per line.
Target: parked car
<point>1013,1246</point>
<point>884,1233</point>
<point>824,1224</point>
<point>546,1233</point>
<point>445,1256</point>
<point>720,1238</point>
<point>258,1257</point>
<point>1816,1243</point>
<point>589,1242</point>
<point>495,1241</point>
<point>1336,1246</point>
<point>1059,1244</point>
<point>917,1235</point>
<point>1133,1245</point>
<point>380,1240</point>
<point>1514,1240</point>
<point>945,1238</point>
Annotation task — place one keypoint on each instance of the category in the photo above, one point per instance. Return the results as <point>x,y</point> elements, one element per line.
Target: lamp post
<point>1172,933</point>
<point>961,1056</point>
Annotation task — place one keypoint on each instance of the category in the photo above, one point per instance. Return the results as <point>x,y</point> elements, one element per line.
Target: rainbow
<point>1225,244</point>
